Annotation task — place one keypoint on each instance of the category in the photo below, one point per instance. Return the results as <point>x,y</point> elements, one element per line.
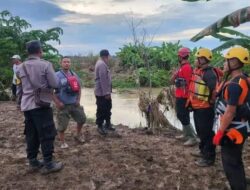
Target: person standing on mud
<point>67,99</point>
<point>233,113</point>
<point>15,60</point>
<point>103,89</point>
<point>181,79</point>
<point>36,73</point>
<point>202,90</point>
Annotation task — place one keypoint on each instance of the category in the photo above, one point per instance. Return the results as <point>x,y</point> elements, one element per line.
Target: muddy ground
<point>132,160</point>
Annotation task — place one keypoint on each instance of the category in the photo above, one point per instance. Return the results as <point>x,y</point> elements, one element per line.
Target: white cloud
<point>73,19</point>
<point>245,27</point>
<point>182,35</point>
<point>166,9</point>
<point>69,48</point>
<point>100,7</point>
<point>75,9</point>
<point>105,20</point>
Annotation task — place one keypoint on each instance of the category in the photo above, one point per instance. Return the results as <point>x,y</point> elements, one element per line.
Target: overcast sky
<point>91,25</point>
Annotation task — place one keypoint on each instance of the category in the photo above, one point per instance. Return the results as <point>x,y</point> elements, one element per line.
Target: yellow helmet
<point>240,53</point>
<point>204,52</point>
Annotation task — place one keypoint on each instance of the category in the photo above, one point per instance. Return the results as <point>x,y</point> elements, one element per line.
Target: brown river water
<point>125,107</point>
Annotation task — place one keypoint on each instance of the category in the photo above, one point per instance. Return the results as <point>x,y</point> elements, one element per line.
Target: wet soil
<point>130,159</point>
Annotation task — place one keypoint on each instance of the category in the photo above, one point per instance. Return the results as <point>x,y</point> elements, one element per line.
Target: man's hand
<point>108,97</point>
<point>217,138</point>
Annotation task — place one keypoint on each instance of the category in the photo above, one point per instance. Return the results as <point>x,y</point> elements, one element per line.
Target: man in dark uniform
<point>40,129</point>
<point>103,90</point>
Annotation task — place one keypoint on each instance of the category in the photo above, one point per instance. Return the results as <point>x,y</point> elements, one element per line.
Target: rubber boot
<point>190,134</point>
<point>189,131</point>
<point>109,126</point>
<point>183,136</point>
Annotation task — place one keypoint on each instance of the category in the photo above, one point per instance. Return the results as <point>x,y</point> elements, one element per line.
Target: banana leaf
<point>234,19</point>
<point>241,41</point>
<point>234,32</point>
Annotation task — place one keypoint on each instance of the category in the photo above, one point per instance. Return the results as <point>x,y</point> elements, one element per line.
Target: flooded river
<point>125,108</point>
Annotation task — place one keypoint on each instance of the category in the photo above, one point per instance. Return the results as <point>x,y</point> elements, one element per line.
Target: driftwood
<point>150,108</point>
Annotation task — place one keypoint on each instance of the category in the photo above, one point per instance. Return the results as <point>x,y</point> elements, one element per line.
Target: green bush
<point>14,34</point>
<point>129,82</point>
<point>159,77</point>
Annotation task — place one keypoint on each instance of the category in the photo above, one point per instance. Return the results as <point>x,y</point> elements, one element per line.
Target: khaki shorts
<point>63,116</point>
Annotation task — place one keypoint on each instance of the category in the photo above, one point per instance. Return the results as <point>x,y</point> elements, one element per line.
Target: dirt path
<point>131,160</point>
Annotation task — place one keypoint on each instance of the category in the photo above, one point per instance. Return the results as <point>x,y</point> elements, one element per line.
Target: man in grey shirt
<point>103,89</point>
<point>39,123</point>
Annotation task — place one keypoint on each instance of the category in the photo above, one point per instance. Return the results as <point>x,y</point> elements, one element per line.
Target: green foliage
<point>162,59</point>
<point>218,59</point>
<point>219,29</point>
<point>159,77</point>
<point>124,82</point>
<point>129,55</point>
<point>13,38</point>
<point>236,38</point>
<point>163,56</point>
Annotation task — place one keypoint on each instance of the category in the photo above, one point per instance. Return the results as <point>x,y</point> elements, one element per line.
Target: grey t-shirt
<point>103,84</point>
<point>42,75</point>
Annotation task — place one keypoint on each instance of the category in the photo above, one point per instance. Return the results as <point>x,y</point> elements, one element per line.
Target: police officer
<point>103,90</point>
<point>39,125</point>
<point>232,128</point>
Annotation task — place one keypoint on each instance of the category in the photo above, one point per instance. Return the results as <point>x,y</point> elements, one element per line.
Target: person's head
<point>183,54</point>
<point>235,59</point>
<point>203,57</point>
<point>104,54</point>
<point>34,47</point>
<point>16,59</point>
<point>65,63</point>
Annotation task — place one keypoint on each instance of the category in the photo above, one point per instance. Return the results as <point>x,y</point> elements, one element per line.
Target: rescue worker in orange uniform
<point>181,79</point>
<point>202,90</point>
<point>232,128</point>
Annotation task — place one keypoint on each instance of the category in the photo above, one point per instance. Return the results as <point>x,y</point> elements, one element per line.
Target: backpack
<point>244,109</point>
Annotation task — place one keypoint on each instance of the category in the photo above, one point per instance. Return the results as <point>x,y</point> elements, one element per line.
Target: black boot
<point>35,164</point>
<point>51,167</point>
<point>248,181</point>
<point>109,126</point>
<point>101,129</point>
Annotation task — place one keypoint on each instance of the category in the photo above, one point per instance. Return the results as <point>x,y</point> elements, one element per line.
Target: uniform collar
<point>33,57</point>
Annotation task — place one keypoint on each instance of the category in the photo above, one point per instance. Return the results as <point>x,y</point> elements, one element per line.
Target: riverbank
<point>131,159</point>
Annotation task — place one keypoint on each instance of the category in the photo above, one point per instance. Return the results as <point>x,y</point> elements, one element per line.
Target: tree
<point>13,38</point>
<point>230,37</point>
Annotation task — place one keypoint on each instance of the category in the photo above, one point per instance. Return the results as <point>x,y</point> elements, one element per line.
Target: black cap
<point>104,52</point>
<point>33,46</point>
